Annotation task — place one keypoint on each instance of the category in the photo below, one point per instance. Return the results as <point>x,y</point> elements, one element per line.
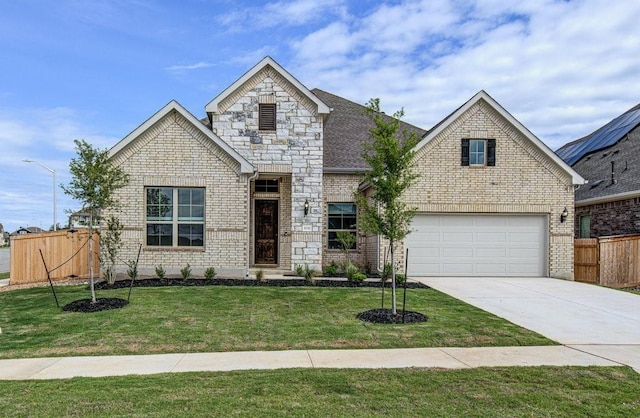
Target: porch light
<point>306,207</point>
<point>564,215</point>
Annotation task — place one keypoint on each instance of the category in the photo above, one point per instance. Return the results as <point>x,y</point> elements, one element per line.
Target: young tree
<point>390,156</point>
<point>93,182</point>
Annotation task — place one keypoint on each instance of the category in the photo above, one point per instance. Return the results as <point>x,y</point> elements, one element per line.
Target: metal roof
<point>604,137</point>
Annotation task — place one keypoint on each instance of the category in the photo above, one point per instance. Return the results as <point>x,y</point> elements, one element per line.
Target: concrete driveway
<point>593,319</point>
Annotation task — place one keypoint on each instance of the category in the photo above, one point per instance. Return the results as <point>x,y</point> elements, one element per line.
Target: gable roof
<point>212,106</point>
<point>346,128</point>
<point>484,96</point>
<point>602,137</point>
<point>245,166</point>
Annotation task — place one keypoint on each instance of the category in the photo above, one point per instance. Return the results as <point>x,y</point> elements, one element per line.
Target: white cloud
<point>561,68</point>
<point>287,13</point>
<point>189,67</point>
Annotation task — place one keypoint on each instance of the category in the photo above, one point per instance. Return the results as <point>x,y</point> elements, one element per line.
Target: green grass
<point>485,392</point>
<point>220,318</point>
<point>4,275</point>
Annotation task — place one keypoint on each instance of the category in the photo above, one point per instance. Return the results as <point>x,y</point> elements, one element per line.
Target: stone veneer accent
<point>295,148</point>
<point>523,181</point>
<point>174,153</point>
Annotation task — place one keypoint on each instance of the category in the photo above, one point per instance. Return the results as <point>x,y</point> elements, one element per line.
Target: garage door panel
<point>491,237</point>
<point>491,252</point>
<point>493,269</point>
<point>483,245</point>
<point>456,269</point>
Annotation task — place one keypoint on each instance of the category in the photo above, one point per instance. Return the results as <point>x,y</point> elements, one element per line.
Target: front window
<point>342,218</point>
<point>175,217</point>
<point>476,152</point>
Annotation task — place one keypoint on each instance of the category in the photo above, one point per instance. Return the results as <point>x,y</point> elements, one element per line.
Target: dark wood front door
<point>266,246</point>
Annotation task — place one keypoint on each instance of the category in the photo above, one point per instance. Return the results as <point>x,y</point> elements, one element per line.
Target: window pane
<point>197,196</point>
<point>159,234</point>
<point>476,152</point>
<point>190,235</point>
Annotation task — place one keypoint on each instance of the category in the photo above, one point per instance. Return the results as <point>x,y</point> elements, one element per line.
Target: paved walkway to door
<point>586,317</point>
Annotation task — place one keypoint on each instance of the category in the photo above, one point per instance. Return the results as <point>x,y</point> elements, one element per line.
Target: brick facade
<point>172,153</point>
<point>176,150</point>
<point>620,217</point>
<point>523,181</point>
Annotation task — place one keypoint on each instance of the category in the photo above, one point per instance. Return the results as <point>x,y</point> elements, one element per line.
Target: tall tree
<point>391,157</point>
<point>94,181</point>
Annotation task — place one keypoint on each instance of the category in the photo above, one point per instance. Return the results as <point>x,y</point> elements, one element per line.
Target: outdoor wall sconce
<point>306,207</point>
<point>564,215</point>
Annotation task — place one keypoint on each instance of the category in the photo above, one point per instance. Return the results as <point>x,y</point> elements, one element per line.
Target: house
<point>80,219</point>
<point>268,178</point>
<point>27,230</point>
<point>4,237</point>
<point>609,159</point>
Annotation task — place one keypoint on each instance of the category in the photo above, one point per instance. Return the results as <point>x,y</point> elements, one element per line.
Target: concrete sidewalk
<point>446,358</point>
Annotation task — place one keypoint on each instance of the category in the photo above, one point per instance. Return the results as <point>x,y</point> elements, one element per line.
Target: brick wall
<point>339,188</point>
<point>621,217</point>
<point>173,153</point>
<point>524,180</point>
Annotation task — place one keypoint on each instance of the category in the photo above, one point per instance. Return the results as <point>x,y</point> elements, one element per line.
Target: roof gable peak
<point>265,64</point>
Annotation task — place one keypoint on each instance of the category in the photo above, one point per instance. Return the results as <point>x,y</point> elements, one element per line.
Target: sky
<point>96,70</point>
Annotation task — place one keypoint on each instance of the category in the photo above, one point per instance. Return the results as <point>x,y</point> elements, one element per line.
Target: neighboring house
<point>609,159</point>
<point>268,179</point>
<point>3,237</point>
<point>80,219</point>
<point>27,230</point>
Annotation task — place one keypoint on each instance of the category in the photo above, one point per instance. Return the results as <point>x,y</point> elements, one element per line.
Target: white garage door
<point>478,245</point>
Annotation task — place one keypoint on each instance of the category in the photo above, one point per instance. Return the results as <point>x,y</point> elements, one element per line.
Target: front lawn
<point>229,318</point>
<point>485,392</point>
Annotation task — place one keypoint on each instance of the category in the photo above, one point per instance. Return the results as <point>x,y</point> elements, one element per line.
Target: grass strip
<point>485,392</point>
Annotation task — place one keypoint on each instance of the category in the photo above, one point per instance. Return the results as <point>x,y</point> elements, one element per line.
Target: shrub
<point>132,271</point>
<point>331,269</point>
<point>400,278</point>
<point>358,278</point>
<point>351,270</point>
<point>210,273</point>
<point>160,272</point>
<point>386,272</point>
<point>186,271</point>
<point>260,275</point>
<point>307,272</point>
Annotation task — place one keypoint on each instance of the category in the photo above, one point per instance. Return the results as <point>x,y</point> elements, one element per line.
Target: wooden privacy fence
<point>608,261</point>
<point>58,249</point>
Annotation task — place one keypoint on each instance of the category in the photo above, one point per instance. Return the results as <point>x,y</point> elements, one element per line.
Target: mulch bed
<point>101,304</point>
<point>386,316</point>
<point>320,282</point>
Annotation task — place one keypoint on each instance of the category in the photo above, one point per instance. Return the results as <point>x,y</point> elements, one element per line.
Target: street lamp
<point>52,171</point>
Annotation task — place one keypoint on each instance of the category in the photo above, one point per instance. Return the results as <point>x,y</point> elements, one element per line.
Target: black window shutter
<point>491,152</point>
<point>465,152</point>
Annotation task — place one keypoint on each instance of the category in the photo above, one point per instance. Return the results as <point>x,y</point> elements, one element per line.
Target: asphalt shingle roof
<point>613,169</point>
<point>345,129</point>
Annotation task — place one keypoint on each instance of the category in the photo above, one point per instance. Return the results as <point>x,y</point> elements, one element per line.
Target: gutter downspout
<point>249,179</point>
